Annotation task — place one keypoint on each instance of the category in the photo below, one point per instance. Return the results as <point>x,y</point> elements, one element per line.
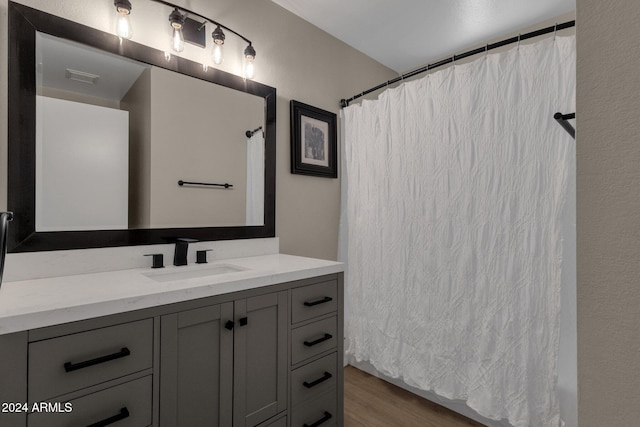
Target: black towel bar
<point>225,185</point>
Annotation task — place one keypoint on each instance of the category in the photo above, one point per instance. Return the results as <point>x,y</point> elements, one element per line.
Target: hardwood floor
<point>372,402</point>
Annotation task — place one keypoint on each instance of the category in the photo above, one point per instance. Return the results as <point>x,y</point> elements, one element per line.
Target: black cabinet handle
<point>327,417</point>
<point>68,366</point>
<point>229,325</point>
<point>319,340</point>
<point>322,379</point>
<point>124,413</point>
<point>243,321</point>
<point>320,301</point>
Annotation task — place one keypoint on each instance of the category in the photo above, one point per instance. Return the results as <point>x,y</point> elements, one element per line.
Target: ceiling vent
<point>81,76</point>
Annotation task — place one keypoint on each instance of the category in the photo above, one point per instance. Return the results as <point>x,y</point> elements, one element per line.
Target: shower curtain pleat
<point>450,226</point>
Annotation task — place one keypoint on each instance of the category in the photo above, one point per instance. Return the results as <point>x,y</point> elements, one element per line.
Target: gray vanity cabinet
<point>263,357</point>
<point>196,358</point>
<point>224,362</point>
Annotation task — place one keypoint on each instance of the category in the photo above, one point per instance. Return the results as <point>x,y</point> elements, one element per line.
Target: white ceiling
<point>116,74</point>
<point>406,34</point>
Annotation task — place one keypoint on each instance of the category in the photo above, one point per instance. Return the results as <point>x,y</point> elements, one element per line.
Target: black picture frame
<point>314,142</point>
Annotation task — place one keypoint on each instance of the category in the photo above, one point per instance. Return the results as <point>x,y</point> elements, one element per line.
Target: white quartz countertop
<point>37,303</point>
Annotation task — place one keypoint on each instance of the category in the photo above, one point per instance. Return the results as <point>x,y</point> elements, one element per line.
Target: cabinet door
<point>13,378</point>
<point>196,356</point>
<point>260,358</point>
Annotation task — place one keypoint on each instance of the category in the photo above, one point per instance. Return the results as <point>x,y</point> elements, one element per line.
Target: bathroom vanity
<point>253,341</point>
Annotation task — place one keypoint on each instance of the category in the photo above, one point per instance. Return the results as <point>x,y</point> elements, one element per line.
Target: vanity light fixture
<point>177,22</point>
<point>218,41</point>
<point>192,31</point>
<point>123,25</point>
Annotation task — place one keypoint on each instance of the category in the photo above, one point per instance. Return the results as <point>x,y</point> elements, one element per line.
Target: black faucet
<point>182,247</point>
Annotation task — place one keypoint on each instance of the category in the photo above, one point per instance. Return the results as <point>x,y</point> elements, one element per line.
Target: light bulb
<point>218,41</point>
<point>249,66</point>
<point>216,54</point>
<point>177,40</point>
<point>249,69</point>
<point>123,25</point>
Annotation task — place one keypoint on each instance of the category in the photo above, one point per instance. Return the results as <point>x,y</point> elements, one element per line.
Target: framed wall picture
<point>313,141</point>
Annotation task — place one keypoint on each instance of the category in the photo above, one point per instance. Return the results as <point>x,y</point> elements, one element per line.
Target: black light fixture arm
<point>190,12</point>
<point>345,102</point>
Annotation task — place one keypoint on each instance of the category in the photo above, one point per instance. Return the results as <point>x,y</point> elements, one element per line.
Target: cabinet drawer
<point>314,379</point>
<point>314,300</point>
<point>72,362</point>
<point>127,405</point>
<point>312,339</point>
<point>321,412</point>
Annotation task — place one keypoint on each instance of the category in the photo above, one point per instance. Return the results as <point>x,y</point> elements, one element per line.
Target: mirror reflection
<point>115,136</point>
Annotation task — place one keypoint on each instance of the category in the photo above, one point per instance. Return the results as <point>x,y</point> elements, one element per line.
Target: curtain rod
<point>488,47</point>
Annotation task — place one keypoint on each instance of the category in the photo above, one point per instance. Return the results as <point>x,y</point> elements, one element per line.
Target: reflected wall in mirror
<point>133,131</point>
<point>102,130</point>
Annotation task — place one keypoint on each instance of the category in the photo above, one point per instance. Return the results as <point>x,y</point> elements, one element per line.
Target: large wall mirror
<point>113,143</point>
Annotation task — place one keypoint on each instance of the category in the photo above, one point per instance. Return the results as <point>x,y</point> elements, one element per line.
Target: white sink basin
<point>189,273</point>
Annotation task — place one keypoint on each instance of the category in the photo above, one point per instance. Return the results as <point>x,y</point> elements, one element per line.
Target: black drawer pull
<point>229,325</point>
<point>319,340</point>
<point>75,366</point>
<point>124,413</point>
<point>244,321</point>
<point>322,379</point>
<point>327,417</point>
<point>320,301</point>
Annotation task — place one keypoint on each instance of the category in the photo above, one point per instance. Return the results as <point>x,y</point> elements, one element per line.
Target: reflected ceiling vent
<point>81,76</point>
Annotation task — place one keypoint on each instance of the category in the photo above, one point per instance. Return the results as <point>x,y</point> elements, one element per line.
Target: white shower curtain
<point>455,186</point>
<point>255,179</point>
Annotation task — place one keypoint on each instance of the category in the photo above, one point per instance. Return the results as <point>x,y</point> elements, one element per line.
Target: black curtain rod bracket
<point>562,120</point>
<point>225,185</point>
<point>345,102</point>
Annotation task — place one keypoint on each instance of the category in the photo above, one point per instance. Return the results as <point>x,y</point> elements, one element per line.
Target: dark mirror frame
<point>23,24</point>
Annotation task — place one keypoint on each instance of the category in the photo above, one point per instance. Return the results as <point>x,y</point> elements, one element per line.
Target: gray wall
<point>608,212</point>
<point>300,60</point>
